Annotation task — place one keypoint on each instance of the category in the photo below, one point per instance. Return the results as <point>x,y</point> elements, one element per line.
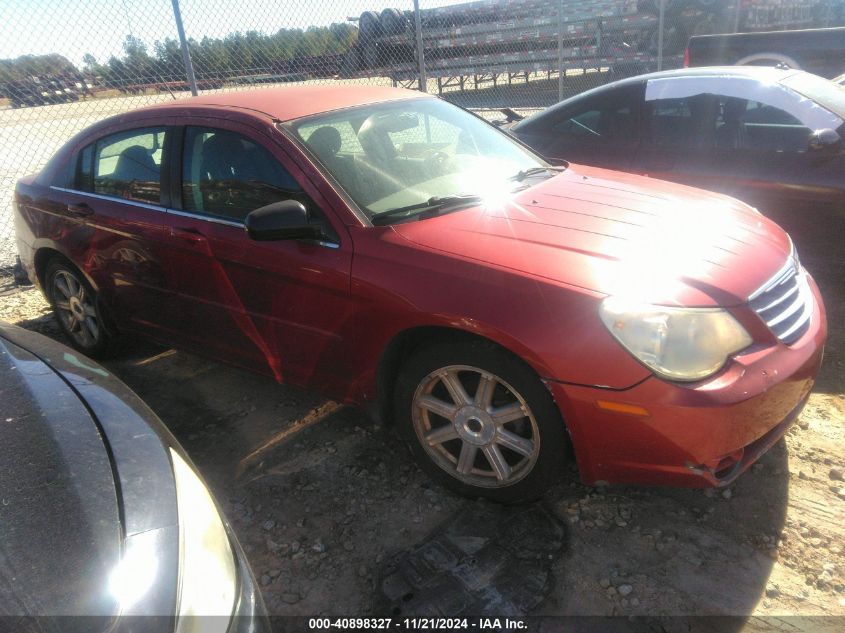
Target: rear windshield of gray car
<point>826,93</point>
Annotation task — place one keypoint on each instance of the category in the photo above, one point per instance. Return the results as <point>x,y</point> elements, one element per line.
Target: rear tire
<point>480,421</point>
<point>77,310</point>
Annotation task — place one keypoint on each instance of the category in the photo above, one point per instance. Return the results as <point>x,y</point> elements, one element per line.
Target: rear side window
<point>128,165</point>
<point>227,175</point>
<point>611,120</point>
<point>610,126</point>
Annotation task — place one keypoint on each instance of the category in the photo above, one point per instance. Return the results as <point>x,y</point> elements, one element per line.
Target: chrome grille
<point>785,304</point>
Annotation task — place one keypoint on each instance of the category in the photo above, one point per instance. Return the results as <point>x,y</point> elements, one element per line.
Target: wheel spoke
<point>484,393</point>
<point>72,323</point>
<point>438,406</point>
<point>466,460</point>
<point>456,389</point>
<point>61,284</point>
<point>441,434</point>
<point>515,442</point>
<point>62,304</point>
<point>90,310</point>
<point>497,462</point>
<point>83,335</point>
<point>92,327</point>
<point>72,284</point>
<point>508,413</point>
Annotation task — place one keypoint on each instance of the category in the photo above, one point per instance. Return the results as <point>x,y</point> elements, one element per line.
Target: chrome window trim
<point>208,218</point>
<point>134,203</point>
<point>185,214</point>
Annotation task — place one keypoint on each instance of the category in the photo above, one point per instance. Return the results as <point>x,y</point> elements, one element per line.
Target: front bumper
<point>699,435</point>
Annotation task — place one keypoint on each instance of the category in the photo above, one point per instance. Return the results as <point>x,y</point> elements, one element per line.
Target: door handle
<point>80,208</point>
<point>187,235</point>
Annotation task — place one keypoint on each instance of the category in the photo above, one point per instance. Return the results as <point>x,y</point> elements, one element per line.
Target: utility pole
<point>660,23</point>
<point>423,80</point>
<point>560,72</point>
<point>186,54</point>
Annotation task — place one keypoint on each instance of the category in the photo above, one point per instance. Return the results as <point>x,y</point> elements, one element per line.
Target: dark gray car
<point>770,137</point>
<point>102,516</point>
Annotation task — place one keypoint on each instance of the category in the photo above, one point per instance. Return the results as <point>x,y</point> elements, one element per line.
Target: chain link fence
<point>65,64</point>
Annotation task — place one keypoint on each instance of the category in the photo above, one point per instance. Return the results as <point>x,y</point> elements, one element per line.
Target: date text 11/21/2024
<point>418,624</point>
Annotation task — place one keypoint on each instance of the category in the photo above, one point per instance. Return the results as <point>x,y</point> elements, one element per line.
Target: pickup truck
<point>818,51</point>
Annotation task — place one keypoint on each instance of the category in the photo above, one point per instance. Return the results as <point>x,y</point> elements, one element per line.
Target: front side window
<point>389,156</point>
<point>127,165</point>
<point>227,175</point>
<point>752,125</point>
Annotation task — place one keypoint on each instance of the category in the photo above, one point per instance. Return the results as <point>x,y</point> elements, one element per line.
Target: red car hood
<point>619,234</point>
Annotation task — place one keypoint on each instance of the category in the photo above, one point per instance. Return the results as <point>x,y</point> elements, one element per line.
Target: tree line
<point>235,55</point>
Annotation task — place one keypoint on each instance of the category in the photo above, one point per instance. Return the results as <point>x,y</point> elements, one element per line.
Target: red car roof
<point>292,102</point>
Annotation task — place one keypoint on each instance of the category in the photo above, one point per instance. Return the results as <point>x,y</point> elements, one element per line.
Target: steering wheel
<point>435,162</point>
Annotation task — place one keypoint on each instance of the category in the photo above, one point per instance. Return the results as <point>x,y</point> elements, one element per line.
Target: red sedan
<point>399,253</point>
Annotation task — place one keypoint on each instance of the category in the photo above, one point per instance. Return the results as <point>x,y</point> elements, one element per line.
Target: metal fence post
<point>737,12</point>
<point>660,19</point>
<point>560,50</point>
<point>423,80</point>
<point>186,54</point>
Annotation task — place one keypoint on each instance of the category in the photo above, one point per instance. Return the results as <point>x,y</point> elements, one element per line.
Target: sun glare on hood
<point>684,243</point>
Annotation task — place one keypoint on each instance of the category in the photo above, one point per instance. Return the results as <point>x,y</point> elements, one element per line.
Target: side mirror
<point>825,141</point>
<point>286,220</point>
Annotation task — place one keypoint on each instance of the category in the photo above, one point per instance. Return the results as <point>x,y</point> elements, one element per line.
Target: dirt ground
<point>324,500</point>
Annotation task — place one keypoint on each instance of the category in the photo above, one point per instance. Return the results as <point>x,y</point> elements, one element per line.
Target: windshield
<point>826,93</point>
<point>403,154</point>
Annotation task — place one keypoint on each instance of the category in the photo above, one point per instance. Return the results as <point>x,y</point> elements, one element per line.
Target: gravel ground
<point>324,500</point>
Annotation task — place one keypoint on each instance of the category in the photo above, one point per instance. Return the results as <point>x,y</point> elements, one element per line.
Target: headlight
<point>676,343</point>
<point>207,575</point>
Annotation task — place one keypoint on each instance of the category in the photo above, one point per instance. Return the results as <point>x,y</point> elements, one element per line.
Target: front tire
<point>480,421</point>
<point>76,309</point>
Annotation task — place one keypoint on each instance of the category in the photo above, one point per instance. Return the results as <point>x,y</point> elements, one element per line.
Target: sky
<point>75,27</point>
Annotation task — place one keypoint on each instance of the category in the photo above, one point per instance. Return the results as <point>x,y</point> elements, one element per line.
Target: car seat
<point>135,163</point>
<point>223,157</point>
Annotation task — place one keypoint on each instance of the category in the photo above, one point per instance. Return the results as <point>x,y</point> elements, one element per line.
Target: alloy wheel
<point>475,426</point>
<point>75,307</point>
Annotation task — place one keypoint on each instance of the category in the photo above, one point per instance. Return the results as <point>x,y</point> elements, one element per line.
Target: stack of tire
<point>371,51</point>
